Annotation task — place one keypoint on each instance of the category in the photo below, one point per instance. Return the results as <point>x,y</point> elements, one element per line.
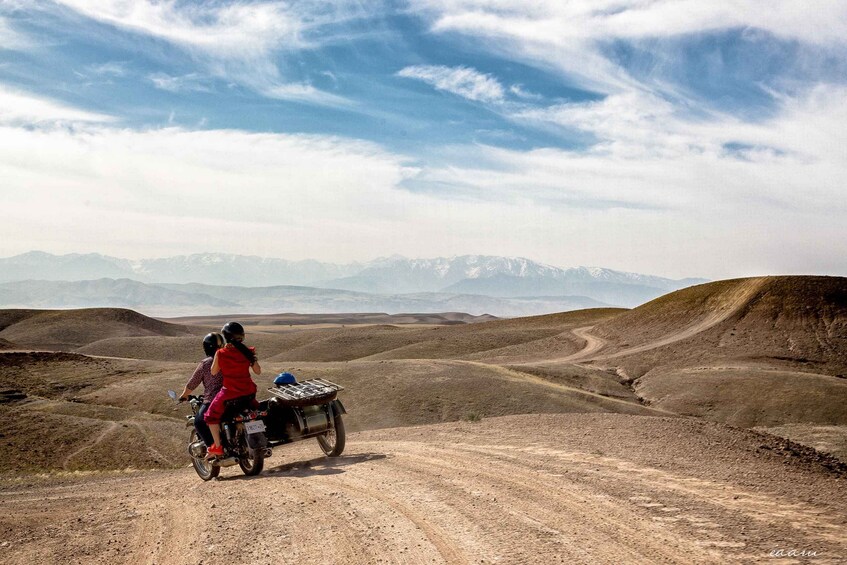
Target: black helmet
<point>212,342</point>
<point>233,331</point>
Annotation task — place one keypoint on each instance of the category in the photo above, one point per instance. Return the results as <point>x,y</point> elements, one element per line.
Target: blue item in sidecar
<point>284,379</point>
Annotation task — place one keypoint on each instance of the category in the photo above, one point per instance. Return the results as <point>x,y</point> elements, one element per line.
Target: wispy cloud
<point>633,122</point>
<point>569,36</point>
<point>192,82</point>
<point>304,92</point>
<point>22,108</point>
<point>237,42</point>
<point>241,30</point>
<point>462,81</point>
<point>11,39</point>
<point>682,197</point>
<point>518,90</point>
<point>110,68</point>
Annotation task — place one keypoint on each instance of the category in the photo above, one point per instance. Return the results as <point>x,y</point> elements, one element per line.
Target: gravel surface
<point>574,488</point>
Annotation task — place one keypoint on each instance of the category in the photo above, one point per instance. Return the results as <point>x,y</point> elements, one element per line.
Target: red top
<point>235,368</point>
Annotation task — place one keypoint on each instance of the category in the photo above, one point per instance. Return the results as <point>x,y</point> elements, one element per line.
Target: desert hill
<point>114,413</point>
<point>800,321</point>
<point>764,352</point>
<point>341,319</point>
<point>350,341</point>
<point>64,329</point>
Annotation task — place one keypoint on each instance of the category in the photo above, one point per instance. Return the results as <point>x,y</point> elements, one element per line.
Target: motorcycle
<point>242,437</point>
<point>295,411</point>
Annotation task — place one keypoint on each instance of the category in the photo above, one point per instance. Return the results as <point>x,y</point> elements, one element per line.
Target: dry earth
<point>602,439</point>
<point>599,488</point>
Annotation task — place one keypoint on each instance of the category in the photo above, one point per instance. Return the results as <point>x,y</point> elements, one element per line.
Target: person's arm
<point>193,382</point>
<point>257,369</point>
<point>216,368</point>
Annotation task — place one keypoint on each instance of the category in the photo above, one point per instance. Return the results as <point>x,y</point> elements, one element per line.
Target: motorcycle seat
<point>238,405</point>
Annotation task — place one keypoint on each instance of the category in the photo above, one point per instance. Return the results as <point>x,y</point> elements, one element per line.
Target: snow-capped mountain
<point>479,275</point>
<point>506,277</point>
<point>399,274</point>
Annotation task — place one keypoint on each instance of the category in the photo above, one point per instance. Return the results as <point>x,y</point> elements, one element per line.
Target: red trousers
<point>217,408</point>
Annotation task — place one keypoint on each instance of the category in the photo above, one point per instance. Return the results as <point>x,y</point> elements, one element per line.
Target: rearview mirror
<point>172,394</point>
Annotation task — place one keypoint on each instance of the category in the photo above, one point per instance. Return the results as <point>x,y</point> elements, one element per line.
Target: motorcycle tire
<point>203,468</point>
<point>252,465</point>
<point>332,442</point>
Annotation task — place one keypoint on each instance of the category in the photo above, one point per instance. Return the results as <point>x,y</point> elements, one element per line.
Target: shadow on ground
<point>312,467</point>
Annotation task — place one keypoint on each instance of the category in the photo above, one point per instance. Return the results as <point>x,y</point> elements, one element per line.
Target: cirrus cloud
<point>234,41</point>
<point>21,108</point>
<point>462,81</point>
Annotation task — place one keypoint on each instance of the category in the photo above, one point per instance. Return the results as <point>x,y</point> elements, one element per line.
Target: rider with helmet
<point>211,385</point>
<point>234,362</point>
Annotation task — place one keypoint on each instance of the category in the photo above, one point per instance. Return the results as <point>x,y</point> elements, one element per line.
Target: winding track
<point>594,344</point>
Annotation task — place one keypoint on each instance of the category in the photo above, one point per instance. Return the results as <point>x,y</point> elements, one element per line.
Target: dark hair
<point>233,332</point>
<point>244,351</point>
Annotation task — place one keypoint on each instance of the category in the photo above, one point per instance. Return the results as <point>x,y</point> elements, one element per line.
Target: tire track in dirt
<point>510,490</point>
<point>447,549</point>
<point>527,506</point>
<point>811,522</point>
<point>150,444</point>
<point>599,399</point>
<point>113,426</point>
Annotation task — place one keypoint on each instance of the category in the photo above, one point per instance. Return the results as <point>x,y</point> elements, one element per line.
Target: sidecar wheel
<point>204,469</point>
<point>332,442</point>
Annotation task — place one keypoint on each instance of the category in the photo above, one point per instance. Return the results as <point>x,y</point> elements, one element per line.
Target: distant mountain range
<point>171,300</point>
<point>209,268</point>
<point>221,283</point>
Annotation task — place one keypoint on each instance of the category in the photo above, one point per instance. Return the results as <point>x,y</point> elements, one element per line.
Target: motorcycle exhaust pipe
<point>197,449</point>
<point>228,462</point>
<point>268,452</point>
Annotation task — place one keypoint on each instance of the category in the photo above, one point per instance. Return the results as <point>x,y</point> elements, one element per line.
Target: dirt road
<point>579,488</point>
<point>591,351</point>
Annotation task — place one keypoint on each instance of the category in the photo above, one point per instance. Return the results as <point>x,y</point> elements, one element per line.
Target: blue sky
<point>678,138</point>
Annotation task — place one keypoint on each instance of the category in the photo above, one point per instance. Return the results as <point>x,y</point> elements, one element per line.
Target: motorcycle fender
<point>337,407</point>
<point>257,441</point>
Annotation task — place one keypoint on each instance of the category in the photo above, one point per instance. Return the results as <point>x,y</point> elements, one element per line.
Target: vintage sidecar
<point>303,410</point>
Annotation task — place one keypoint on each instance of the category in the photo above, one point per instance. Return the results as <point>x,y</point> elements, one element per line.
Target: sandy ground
<point>577,488</point>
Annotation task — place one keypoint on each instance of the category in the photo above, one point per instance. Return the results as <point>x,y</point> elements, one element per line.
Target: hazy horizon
<point>676,139</point>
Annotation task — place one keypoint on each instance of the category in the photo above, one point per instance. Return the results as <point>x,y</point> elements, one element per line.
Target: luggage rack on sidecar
<point>306,393</point>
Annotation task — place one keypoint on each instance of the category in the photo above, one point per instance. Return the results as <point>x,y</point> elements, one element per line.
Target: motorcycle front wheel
<point>204,469</point>
<point>332,442</point>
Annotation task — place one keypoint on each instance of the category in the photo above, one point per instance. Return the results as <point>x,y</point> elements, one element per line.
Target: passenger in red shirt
<point>234,361</point>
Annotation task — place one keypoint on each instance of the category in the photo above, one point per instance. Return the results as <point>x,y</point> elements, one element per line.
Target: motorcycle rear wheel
<point>252,466</point>
<point>333,441</point>
<point>204,469</point>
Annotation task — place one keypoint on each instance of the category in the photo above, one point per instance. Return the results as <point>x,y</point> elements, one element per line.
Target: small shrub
<point>473,416</point>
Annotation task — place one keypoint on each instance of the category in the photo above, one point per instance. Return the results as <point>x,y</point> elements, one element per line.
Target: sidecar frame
<point>301,410</point>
